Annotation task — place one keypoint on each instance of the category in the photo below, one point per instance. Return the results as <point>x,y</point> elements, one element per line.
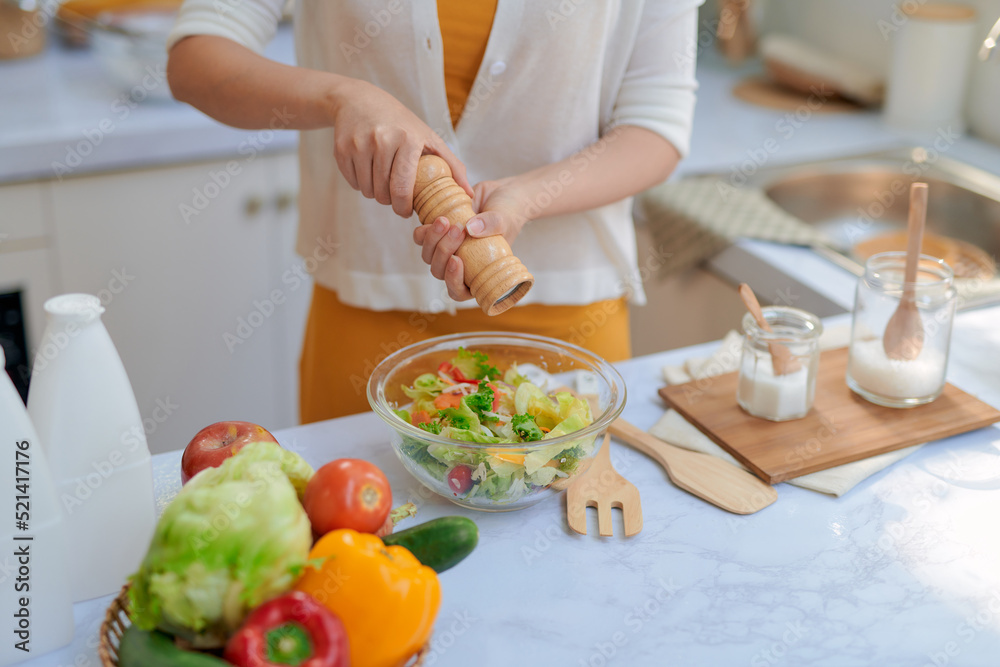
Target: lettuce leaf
<point>513,377</point>
<point>468,435</point>
<point>425,387</point>
<point>529,399</point>
<point>474,365</point>
<point>545,475</point>
<point>573,422</point>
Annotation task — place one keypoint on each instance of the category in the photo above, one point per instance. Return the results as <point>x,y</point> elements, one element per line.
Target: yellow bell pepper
<point>386,599</point>
<point>504,456</point>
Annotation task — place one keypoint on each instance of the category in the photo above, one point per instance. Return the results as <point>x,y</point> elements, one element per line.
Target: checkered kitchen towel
<point>694,219</point>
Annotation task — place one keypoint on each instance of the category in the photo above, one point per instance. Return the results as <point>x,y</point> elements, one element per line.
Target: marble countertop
<point>901,571</point>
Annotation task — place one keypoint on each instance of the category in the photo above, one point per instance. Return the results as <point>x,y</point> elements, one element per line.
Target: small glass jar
<point>900,383</point>
<point>761,392</point>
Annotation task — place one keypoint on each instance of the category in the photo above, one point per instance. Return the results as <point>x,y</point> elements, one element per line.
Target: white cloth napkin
<point>673,428</point>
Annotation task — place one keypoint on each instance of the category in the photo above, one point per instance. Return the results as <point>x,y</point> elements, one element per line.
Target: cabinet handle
<point>253,206</point>
<point>285,201</point>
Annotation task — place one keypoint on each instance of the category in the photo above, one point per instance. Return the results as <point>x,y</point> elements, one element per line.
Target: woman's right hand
<point>377,143</point>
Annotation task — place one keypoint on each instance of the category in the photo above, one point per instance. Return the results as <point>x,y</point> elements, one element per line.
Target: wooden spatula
<point>706,476</point>
<point>602,487</point>
<point>782,359</point>
<point>904,333</point>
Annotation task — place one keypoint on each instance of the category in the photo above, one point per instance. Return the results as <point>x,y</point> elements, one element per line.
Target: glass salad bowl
<point>485,474</point>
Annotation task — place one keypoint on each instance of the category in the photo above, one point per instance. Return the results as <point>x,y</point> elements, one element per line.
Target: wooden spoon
<point>904,334</point>
<point>706,476</point>
<point>782,359</point>
<point>710,478</point>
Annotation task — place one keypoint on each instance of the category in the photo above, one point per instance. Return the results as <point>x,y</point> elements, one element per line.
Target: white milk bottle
<point>36,611</point>
<point>82,405</point>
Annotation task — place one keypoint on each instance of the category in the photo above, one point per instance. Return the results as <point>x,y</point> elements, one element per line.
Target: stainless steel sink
<point>851,199</point>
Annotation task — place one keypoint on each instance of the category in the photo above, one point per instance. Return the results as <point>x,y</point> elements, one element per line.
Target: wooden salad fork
<point>601,487</point>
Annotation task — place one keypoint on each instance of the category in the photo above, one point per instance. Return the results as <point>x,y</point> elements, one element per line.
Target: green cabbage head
<point>234,537</point>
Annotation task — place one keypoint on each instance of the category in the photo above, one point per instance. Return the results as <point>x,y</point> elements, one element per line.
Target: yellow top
<point>465,29</point>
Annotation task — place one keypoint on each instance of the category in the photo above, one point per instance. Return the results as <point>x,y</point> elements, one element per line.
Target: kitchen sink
<point>854,199</point>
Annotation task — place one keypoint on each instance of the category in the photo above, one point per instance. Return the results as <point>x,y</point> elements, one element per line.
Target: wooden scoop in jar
<point>496,278</point>
<point>782,359</point>
<point>904,333</point>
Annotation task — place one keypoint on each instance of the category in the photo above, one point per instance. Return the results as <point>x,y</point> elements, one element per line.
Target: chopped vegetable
<point>474,365</point>
<point>449,400</point>
<point>234,537</point>
<point>293,629</point>
<point>482,401</point>
<point>431,427</point>
<point>386,598</point>
<point>525,426</point>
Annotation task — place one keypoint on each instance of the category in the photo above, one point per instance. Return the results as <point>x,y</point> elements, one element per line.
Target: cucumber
<point>140,648</point>
<point>439,544</point>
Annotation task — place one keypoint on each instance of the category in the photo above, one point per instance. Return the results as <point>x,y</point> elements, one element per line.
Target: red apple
<point>214,444</point>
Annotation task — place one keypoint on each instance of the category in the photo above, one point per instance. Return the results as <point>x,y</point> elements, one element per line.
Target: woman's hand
<point>378,142</point>
<point>500,207</point>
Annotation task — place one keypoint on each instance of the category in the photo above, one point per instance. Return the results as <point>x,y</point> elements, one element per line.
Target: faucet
<point>990,43</point>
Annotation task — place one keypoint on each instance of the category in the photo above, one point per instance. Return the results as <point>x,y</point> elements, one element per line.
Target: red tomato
<point>348,493</point>
<point>460,480</point>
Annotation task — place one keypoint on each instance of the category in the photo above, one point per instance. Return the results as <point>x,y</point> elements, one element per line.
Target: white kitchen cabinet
<point>188,261</point>
<point>22,213</point>
<point>25,259</point>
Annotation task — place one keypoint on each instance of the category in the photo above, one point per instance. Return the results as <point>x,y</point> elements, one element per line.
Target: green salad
<point>471,400</point>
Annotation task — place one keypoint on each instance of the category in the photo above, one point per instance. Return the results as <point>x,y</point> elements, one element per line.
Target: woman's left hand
<point>500,207</point>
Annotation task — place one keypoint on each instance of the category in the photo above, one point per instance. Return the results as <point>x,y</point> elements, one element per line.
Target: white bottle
<point>34,582</point>
<point>82,404</point>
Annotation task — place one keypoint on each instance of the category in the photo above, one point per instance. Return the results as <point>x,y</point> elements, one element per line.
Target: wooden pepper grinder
<point>496,278</point>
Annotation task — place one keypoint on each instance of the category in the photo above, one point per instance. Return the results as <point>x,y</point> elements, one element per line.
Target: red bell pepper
<point>455,373</point>
<point>293,629</point>
<point>496,396</point>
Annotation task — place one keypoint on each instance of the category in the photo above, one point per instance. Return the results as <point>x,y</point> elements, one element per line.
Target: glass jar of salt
<point>764,393</point>
<point>871,373</point>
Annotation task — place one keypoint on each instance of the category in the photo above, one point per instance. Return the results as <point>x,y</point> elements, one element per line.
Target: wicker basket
<point>116,620</point>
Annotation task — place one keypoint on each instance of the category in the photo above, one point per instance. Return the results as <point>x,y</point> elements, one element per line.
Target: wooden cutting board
<point>842,427</point>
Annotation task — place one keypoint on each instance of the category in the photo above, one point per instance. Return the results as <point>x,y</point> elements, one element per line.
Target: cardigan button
<point>498,68</point>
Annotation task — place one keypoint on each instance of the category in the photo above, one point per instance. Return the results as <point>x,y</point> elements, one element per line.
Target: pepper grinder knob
<point>496,278</point>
